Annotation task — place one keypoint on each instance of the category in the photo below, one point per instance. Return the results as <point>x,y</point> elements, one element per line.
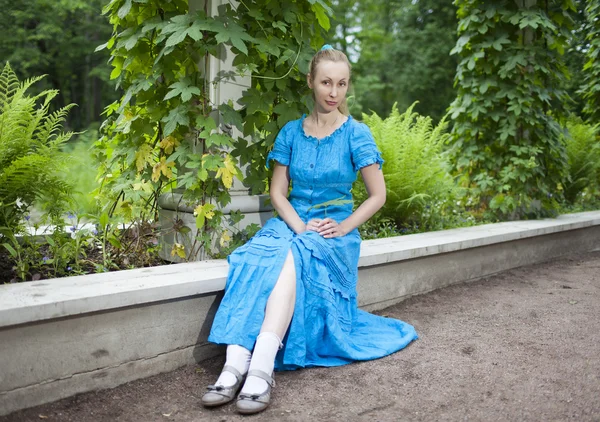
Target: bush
<point>416,169</point>
<point>82,172</point>
<point>583,150</point>
<point>31,161</point>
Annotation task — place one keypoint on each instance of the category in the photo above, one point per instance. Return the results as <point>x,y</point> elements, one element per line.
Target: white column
<point>253,207</point>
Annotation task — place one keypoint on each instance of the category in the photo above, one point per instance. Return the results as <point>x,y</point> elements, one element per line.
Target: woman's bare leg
<point>278,315</point>
<point>280,306</point>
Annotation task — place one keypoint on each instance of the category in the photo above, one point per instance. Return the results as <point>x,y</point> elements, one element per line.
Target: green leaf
<point>176,117</point>
<point>280,25</point>
<point>124,10</point>
<point>322,17</point>
<point>176,37</point>
<point>11,250</point>
<point>183,88</point>
<point>115,241</point>
<point>103,220</point>
<point>235,35</point>
<point>231,116</point>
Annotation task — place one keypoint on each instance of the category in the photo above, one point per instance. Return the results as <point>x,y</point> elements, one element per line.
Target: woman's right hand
<point>313,224</point>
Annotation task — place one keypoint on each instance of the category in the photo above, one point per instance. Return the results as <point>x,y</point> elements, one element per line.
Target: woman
<point>291,290</point>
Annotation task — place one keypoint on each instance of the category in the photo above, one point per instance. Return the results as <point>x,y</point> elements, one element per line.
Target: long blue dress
<point>327,328</point>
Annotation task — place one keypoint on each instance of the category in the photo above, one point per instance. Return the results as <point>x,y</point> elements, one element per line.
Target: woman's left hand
<point>329,228</point>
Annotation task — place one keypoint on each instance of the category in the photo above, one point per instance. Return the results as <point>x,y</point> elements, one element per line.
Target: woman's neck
<point>326,119</point>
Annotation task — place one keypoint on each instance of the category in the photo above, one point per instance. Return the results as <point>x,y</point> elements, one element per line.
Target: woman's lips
<point>331,103</point>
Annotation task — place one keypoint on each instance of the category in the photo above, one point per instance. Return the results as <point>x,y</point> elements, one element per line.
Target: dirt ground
<point>523,345</point>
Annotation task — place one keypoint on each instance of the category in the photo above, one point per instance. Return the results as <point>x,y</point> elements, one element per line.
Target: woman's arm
<point>375,184</point>
<point>280,183</point>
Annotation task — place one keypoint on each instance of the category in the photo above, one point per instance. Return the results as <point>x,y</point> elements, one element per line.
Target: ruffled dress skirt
<point>327,328</point>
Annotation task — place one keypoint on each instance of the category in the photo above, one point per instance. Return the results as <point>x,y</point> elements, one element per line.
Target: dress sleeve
<point>282,149</point>
<point>364,151</point>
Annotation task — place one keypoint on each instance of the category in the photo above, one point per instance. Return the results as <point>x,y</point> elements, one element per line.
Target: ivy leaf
<point>202,213</point>
<point>532,21</point>
<point>168,144</point>
<point>184,88</point>
<point>203,174</point>
<point>143,156</point>
<point>497,44</point>
<point>177,116</point>
<point>162,167</point>
<point>227,172</point>
<point>176,38</point>
<point>206,125</point>
<point>286,112</point>
<point>212,161</point>
<point>218,139</point>
<point>230,115</point>
<point>236,35</point>
<point>179,250</point>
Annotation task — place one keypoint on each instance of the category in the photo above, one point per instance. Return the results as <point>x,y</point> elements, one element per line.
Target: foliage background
<point>520,79</point>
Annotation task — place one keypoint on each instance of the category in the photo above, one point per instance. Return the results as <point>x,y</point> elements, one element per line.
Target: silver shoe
<point>248,404</point>
<point>218,394</point>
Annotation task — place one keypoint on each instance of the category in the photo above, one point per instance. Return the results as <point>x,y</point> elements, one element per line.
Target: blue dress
<point>327,328</point>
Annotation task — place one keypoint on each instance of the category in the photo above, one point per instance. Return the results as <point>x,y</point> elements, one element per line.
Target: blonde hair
<point>333,55</point>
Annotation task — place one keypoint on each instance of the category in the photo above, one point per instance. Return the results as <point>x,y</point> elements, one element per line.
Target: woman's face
<point>329,84</point>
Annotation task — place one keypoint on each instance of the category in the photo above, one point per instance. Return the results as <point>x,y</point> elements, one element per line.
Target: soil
<point>523,345</point>
<point>138,250</point>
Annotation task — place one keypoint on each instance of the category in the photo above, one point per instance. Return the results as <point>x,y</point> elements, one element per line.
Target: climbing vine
<point>165,133</point>
<point>591,87</point>
<point>506,137</point>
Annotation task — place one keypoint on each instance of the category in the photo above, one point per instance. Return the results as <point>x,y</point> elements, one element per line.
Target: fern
<point>415,168</point>
<point>583,150</point>
<point>31,161</point>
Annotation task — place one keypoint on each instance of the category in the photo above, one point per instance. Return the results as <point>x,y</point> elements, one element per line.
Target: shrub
<point>415,168</point>
<point>31,160</point>
<point>583,150</point>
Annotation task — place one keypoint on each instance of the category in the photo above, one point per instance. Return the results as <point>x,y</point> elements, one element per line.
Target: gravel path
<point>523,345</point>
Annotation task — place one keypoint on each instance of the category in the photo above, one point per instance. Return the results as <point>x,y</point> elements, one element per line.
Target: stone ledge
<point>56,298</point>
<point>381,251</point>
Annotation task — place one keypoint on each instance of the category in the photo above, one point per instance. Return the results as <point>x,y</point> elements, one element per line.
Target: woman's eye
<point>342,83</point>
<point>325,82</point>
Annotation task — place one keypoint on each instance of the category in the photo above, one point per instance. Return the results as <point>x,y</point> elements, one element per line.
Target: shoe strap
<point>263,375</point>
<point>234,371</point>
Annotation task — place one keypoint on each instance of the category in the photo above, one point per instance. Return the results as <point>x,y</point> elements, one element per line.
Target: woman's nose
<point>333,92</point>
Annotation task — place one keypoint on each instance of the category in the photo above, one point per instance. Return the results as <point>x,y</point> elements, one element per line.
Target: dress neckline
<point>325,138</point>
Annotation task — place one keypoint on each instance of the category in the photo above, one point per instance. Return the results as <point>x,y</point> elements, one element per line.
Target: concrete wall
<point>66,336</point>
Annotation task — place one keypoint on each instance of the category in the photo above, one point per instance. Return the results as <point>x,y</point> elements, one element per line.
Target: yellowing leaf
<point>226,173</point>
<point>225,238</point>
<point>162,167</point>
<point>143,185</point>
<point>179,250</point>
<point>143,156</point>
<point>169,144</point>
<point>203,212</point>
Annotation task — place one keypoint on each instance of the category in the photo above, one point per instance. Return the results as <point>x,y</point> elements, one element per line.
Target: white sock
<point>263,358</point>
<point>239,358</point>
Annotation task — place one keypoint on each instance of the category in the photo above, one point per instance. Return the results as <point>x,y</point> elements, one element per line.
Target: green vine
<point>166,134</point>
<point>506,135</point>
<point>591,87</point>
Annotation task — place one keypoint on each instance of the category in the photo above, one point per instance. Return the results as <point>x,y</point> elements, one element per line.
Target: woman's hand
<point>329,228</point>
<point>313,225</point>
